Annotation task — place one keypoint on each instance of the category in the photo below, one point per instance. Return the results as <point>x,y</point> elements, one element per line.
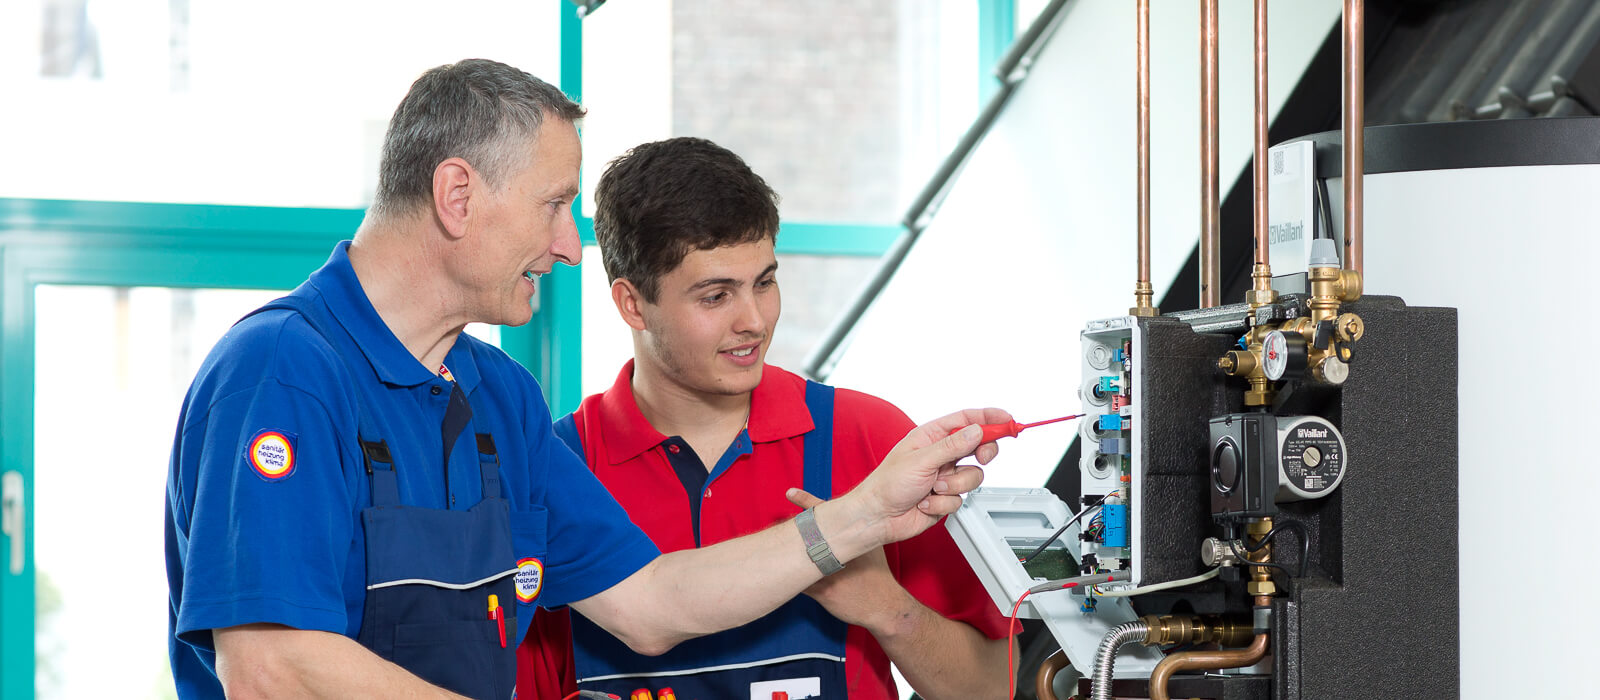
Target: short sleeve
<point>592,543</point>
<point>270,527</point>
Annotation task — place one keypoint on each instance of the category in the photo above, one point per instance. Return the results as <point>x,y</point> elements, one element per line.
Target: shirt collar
<point>341,291</point>
<point>777,411</point>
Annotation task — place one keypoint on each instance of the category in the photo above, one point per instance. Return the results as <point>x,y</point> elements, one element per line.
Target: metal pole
<point>1210,198</point>
<point>1354,133</point>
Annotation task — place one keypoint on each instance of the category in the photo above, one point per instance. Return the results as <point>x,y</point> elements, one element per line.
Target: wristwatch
<point>821,553</point>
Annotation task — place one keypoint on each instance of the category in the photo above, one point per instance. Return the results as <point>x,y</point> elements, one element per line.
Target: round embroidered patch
<point>271,453</point>
<point>530,578</point>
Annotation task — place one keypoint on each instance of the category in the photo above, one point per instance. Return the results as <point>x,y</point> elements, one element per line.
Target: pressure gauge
<point>1283,355</point>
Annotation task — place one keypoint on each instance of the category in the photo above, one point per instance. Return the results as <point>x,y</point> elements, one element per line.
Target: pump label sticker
<point>271,454</point>
<point>530,579</point>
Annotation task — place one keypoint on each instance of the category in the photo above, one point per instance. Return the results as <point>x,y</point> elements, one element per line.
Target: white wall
<point>1037,238</point>
<point>1038,235</point>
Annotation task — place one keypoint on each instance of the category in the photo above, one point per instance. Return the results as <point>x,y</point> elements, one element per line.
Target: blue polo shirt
<point>267,481</point>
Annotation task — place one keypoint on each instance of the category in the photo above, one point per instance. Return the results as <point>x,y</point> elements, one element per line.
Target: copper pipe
<point>1210,198</point>
<point>1044,681</point>
<point>1143,293</point>
<point>1197,660</point>
<point>1259,163</point>
<point>1355,110</point>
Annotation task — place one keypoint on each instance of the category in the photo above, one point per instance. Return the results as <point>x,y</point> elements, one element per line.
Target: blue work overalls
<point>799,640</point>
<point>430,572</point>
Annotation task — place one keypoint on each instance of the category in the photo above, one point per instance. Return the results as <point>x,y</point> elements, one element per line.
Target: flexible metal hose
<point>1106,657</point>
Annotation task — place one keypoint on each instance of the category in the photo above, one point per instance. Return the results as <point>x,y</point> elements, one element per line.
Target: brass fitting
<point>1260,583</point>
<point>1196,629</point>
<point>1261,292</point>
<point>1237,363</point>
<point>1144,301</point>
<point>1260,392</point>
<point>1349,328</point>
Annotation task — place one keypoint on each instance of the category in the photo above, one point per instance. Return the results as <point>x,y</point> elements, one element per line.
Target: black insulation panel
<point>1377,614</point>
<point>1182,388</point>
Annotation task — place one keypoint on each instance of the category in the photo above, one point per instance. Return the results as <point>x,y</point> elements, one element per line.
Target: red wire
<point>573,695</point>
<point>1011,629</point>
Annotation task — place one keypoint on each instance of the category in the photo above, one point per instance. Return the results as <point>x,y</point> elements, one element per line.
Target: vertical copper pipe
<point>1259,163</point>
<point>1210,198</point>
<point>1355,110</point>
<point>1143,293</point>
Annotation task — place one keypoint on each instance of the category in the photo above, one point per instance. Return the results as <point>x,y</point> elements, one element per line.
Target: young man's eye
<point>769,282</point>
<point>715,298</point>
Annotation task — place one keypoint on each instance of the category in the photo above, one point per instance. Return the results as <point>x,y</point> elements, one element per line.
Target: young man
<point>699,441</point>
<point>363,502</point>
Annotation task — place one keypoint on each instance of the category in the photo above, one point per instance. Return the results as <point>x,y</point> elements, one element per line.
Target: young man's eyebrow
<point>717,281</point>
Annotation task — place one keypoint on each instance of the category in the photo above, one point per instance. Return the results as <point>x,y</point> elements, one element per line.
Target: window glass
<point>209,101</point>
<point>844,106</point>
<point>112,366</point>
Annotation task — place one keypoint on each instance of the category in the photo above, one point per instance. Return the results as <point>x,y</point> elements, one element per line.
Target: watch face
<point>1274,355</point>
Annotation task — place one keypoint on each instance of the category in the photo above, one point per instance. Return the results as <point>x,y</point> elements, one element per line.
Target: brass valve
<point>1196,629</point>
<point>1319,342</point>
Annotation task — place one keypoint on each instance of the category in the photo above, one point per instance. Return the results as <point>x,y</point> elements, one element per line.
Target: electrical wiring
<point>1056,585</point>
<point>1207,576</point>
<point>1011,629</point>
<point>1063,529</point>
<point>1299,529</point>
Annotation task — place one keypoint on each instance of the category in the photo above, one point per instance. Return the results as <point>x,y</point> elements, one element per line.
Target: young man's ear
<point>628,300</point>
<point>454,182</point>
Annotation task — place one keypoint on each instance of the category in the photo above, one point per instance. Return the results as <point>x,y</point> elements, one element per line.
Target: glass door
<point>111,365</point>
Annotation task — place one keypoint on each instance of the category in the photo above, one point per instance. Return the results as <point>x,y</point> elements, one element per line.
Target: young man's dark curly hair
<point>661,200</point>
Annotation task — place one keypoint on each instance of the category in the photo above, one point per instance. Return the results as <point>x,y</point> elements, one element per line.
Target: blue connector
<point>1116,519</point>
<point>1111,446</point>
<point>1110,421</point>
<point>1107,385</point>
<point>1116,355</point>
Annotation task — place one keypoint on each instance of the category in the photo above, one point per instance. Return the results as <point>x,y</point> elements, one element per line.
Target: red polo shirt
<point>745,494</point>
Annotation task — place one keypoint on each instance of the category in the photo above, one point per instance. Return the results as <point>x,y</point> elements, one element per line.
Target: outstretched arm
<point>694,592</point>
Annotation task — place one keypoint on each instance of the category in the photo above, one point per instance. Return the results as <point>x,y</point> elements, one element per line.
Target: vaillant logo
<point>1283,233</point>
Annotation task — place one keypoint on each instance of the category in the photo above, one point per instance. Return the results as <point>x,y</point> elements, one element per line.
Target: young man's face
<point>710,326</point>
<point>527,227</point>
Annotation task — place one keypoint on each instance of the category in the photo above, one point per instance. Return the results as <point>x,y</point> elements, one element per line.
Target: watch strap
<point>816,547</point>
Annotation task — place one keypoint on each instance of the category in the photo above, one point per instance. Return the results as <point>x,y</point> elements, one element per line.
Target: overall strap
<point>819,442</point>
<point>567,430</point>
<point>374,453</point>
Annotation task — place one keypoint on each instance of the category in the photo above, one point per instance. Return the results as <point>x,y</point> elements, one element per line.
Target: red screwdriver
<point>995,431</point>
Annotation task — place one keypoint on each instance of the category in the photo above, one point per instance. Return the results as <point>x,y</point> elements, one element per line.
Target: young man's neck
<point>698,417</point>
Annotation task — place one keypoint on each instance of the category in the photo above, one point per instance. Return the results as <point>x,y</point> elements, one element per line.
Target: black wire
<point>1327,211</point>
<point>1305,542</point>
<point>1063,529</point>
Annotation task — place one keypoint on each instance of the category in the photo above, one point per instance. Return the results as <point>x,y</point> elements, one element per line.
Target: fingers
<point>802,498</point>
<point>939,506</point>
<point>942,426</point>
<point>957,479</point>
